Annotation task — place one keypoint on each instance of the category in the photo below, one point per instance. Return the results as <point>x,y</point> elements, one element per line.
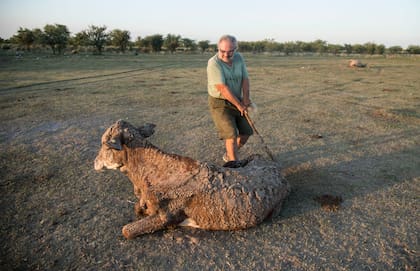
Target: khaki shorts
<point>228,120</point>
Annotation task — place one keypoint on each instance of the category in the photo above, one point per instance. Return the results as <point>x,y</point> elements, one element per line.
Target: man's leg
<point>233,145</point>
<point>232,149</point>
<point>241,140</point>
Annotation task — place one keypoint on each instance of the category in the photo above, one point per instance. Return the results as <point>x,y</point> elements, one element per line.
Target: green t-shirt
<point>218,72</point>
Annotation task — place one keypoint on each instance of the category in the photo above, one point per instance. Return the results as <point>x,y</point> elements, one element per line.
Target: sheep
<point>356,63</point>
<point>177,190</point>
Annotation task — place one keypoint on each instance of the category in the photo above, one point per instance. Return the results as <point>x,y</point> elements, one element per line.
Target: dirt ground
<point>345,133</point>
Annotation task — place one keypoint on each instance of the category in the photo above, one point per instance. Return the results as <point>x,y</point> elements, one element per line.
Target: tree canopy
<point>56,36</point>
<point>25,37</point>
<point>172,42</point>
<point>120,39</point>
<point>97,37</point>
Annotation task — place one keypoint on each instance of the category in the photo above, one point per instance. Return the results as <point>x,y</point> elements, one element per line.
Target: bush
<point>6,46</point>
<point>413,49</point>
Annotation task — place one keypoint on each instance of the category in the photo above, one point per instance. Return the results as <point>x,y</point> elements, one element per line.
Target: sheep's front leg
<point>140,206</point>
<point>145,225</point>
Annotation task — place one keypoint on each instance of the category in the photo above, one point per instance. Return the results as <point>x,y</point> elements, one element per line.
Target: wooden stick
<point>267,150</point>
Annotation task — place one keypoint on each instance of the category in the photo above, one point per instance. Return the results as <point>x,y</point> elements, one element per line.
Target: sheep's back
<point>239,198</point>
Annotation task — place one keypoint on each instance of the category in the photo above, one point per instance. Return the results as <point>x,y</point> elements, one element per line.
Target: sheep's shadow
<point>348,179</point>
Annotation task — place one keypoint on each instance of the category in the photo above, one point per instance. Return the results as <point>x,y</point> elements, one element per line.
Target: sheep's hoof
<point>128,234</point>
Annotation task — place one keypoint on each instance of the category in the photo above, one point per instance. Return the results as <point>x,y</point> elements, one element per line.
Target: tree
<point>380,49</point>
<point>358,49</point>
<point>172,42</point>
<point>370,47</point>
<point>246,46</point>
<point>413,49</point>
<point>120,39</point>
<point>80,39</point>
<point>320,46</point>
<point>143,45</point>
<point>204,45</point>
<point>38,35</point>
<point>305,47</point>
<point>97,37</point>
<point>25,38</point>
<point>259,46</point>
<point>56,36</point>
<point>213,47</point>
<point>348,48</point>
<point>395,50</point>
<point>155,42</point>
<point>189,44</point>
<point>270,45</point>
<point>334,48</point>
<point>289,47</point>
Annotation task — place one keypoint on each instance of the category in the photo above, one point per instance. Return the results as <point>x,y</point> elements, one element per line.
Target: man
<point>229,98</point>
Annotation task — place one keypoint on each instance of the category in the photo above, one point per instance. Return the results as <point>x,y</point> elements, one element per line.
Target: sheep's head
<point>112,154</point>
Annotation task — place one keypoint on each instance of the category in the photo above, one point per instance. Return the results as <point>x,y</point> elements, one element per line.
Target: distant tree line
<point>97,39</point>
<point>321,47</point>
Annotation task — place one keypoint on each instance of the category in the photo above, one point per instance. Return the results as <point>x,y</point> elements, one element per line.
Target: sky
<point>385,22</point>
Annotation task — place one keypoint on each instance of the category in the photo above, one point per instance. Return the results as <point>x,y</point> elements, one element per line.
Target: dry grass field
<point>339,131</point>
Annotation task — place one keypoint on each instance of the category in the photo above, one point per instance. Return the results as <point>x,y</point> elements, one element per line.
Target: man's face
<point>226,51</point>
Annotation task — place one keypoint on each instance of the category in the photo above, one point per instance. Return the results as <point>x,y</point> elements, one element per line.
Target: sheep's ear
<point>147,130</point>
<point>114,143</point>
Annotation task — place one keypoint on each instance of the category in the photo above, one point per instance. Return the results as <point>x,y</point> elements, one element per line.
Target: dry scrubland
<point>353,133</point>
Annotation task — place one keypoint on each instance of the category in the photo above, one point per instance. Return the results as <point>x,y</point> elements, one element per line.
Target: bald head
<point>229,38</point>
